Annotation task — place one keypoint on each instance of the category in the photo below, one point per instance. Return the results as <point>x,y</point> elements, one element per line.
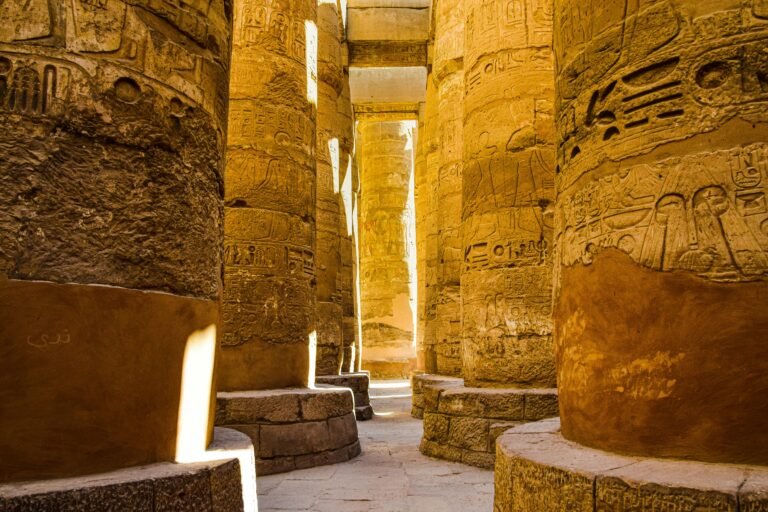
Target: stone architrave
<point>662,226</point>
<point>386,301</point>
<point>269,252</point>
<point>447,71</point>
<point>328,255</point>
<point>112,123</point>
<point>508,190</point>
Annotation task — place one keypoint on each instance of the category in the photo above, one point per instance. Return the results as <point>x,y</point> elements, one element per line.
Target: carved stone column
<point>112,125</point>
<point>430,223</point>
<point>270,292</point>
<point>386,307</point>
<point>508,182</point>
<point>660,317</point>
<point>507,186</point>
<point>269,253</point>
<point>422,207</point>
<point>663,229</point>
<point>346,126</point>
<point>448,73</point>
<point>330,83</point>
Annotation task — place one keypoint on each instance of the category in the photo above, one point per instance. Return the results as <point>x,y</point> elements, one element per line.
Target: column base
<point>223,481</point>
<point>419,381</point>
<point>461,424</point>
<point>293,428</point>
<point>358,382</point>
<point>537,469</point>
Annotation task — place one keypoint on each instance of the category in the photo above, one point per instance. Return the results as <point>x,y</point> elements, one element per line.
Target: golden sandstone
<point>222,218</point>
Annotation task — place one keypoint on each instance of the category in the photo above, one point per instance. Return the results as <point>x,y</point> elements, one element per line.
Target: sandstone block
<point>293,439</point>
<point>322,404</point>
<point>436,427</point>
<point>343,430</point>
<point>470,433</point>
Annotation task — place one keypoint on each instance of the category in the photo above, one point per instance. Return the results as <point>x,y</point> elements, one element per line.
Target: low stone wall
<point>461,424</point>
<point>420,381</point>
<point>359,383</point>
<point>539,470</point>
<point>224,481</point>
<point>293,428</point>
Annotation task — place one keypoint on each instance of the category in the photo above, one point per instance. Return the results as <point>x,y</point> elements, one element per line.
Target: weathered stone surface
<point>661,227</point>
<point>111,165</point>
<point>471,419</point>
<point>508,191</point>
<point>322,404</point>
<point>469,433</point>
<point>215,485</point>
<point>293,439</point>
<point>358,383</point>
<point>270,406</point>
<point>537,469</point>
<point>386,241</point>
<point>270,239</point>
<point>293,428</point>
<point>436,427</point>
<point>448,73</point>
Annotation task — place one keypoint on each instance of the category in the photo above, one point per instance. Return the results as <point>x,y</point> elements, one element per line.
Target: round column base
<point>359,383</point>
<point>421,380</point>
<point>461,424</point>
<point>537,469</point>
<point>293,428</point>
<point>223,481</point>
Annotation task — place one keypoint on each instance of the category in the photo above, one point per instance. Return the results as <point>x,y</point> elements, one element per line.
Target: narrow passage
<point>390,475</point>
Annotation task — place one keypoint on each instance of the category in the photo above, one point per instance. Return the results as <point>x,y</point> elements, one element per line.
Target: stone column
<point>506,277</point>
<point>346,126</point>
<point>448,72</point>
<point>663,228</point>
<point>112,125</point>
<point>508,181</point>
<point>386,307</point>
<point>330,82</point>
<point>269,253</point>
<point>432,159</point>
<point>422,207</point>
<point>270,292</point>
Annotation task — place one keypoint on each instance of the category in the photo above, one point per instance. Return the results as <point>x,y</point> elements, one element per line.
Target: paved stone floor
<point>390,475</point>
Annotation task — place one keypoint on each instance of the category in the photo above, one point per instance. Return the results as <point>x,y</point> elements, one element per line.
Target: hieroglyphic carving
<point>330,82</point>
<point>270,242</point>
<point>449,75</point>
<point>129,88</point>
<point>386,308</point>
<point>661,178</point>
<point>700,213</point>
<point>704,213</point>
<point>387,53</point>
<point>508,191</point>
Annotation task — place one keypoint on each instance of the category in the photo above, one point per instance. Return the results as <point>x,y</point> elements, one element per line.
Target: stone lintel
<point>538,469</point>
<point>387,53</point>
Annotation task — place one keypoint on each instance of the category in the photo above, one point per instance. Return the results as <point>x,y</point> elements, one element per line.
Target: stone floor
<point>390,475</point>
